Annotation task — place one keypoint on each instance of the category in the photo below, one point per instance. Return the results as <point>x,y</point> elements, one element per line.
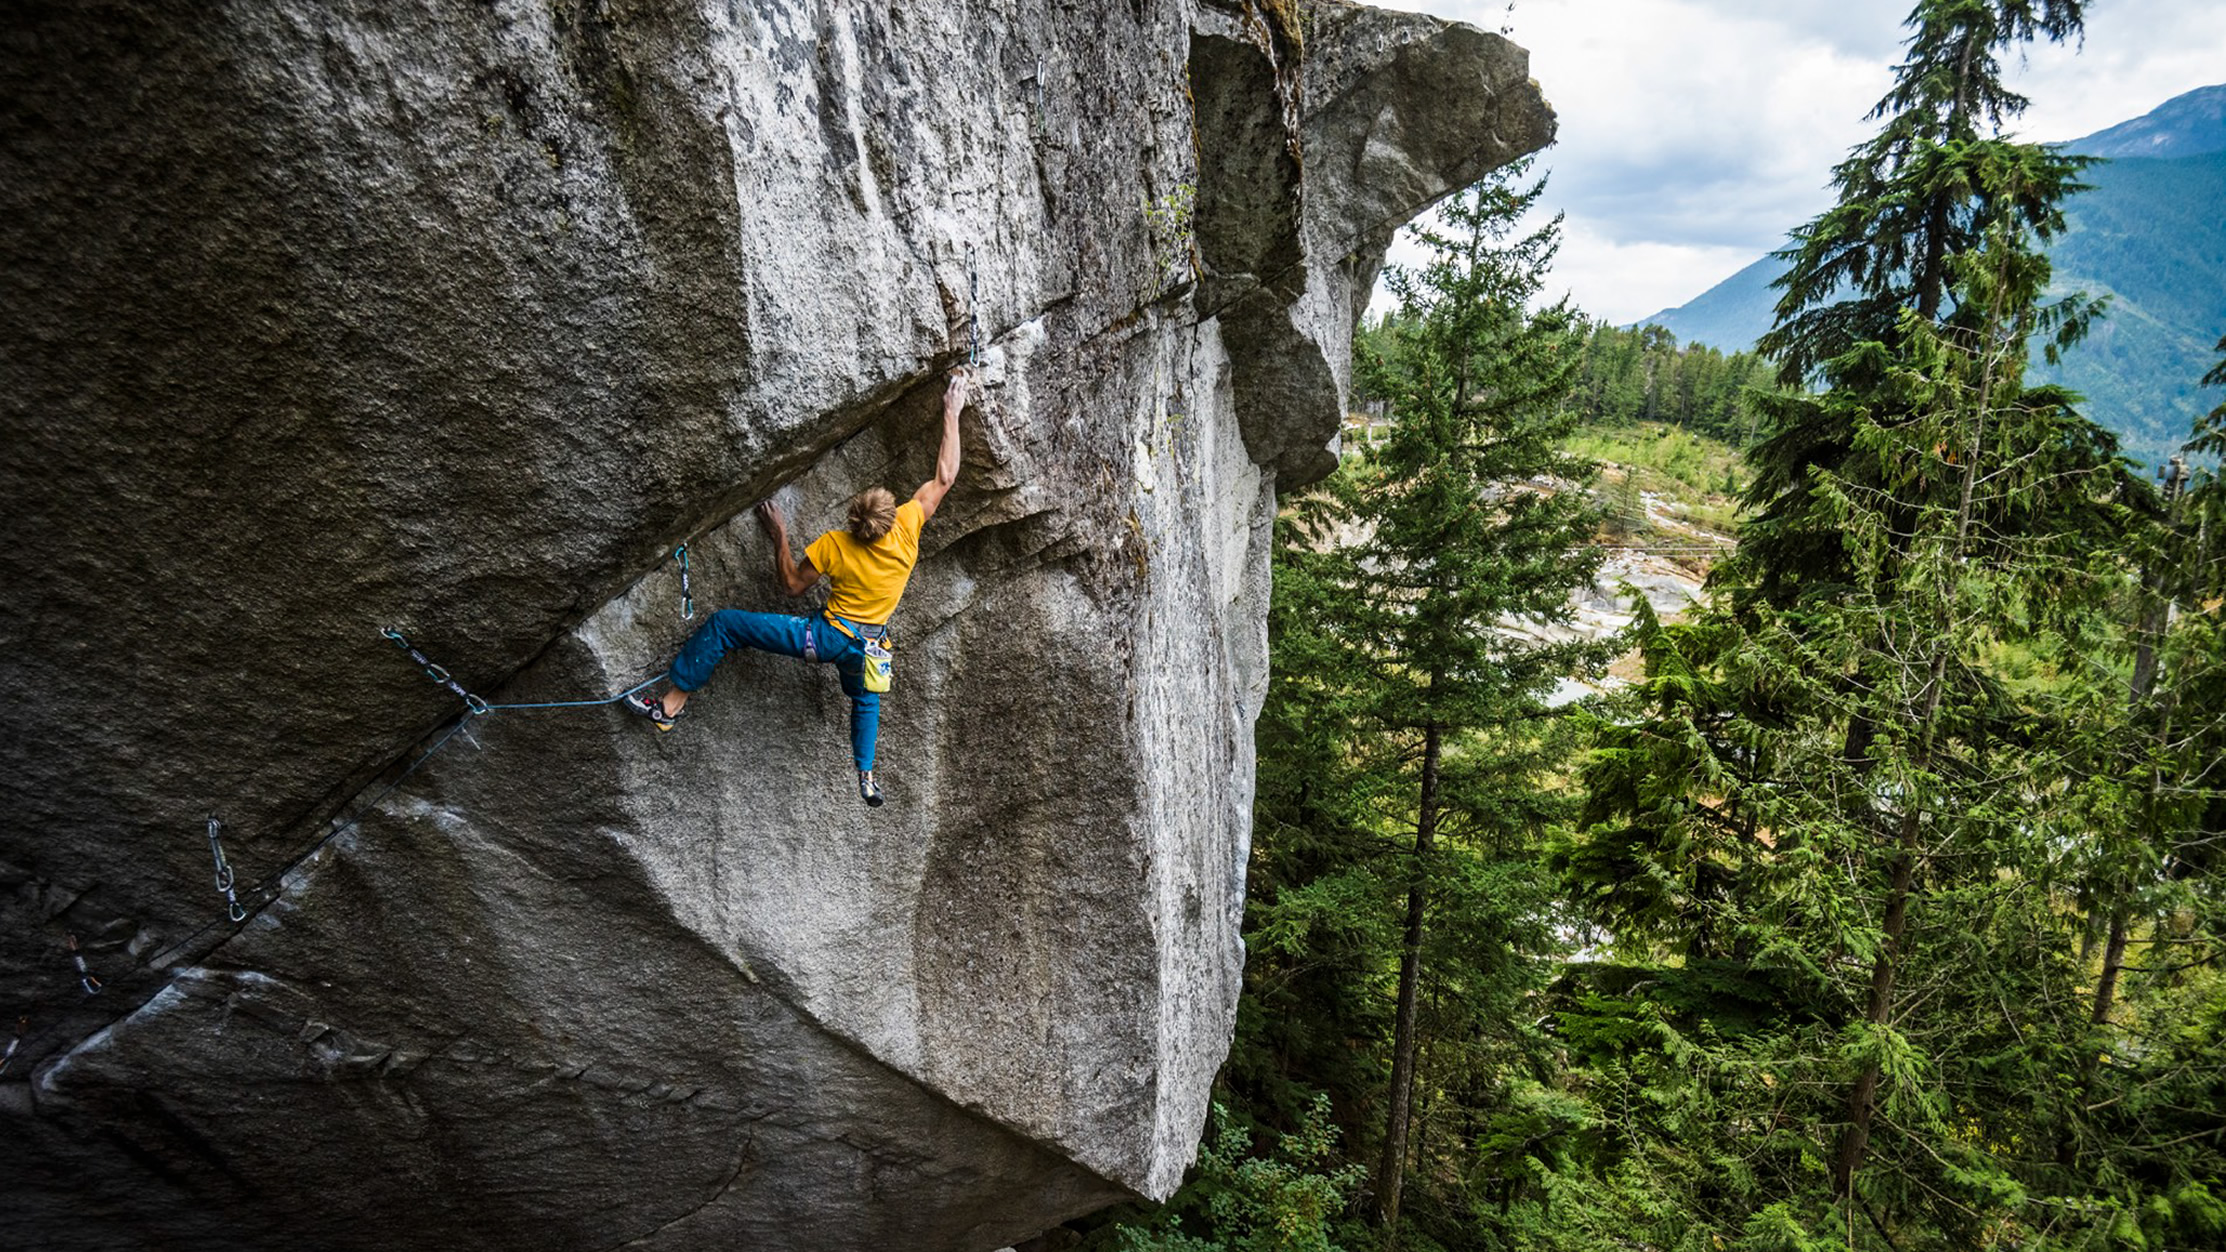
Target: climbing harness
<point>687,601</point>
<point>435,672</point>
<point>878,670</point>
<point>85,977</point>
<point>224,876</point>
<point>973,311</point>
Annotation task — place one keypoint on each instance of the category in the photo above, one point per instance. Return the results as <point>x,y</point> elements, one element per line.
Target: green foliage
<point>1825,785</point>
<point>1698,478</point>
<point>1169,220</point>
<point>1927,188</point>
<point>1286,1201</point>
<point>1885,911</point>
<point>1406,752</point>
<point>2209,438</point>
<point>1642,375</point>
<point>1452,535</point>
<point>1626,506</point>
<point>1665,456</point>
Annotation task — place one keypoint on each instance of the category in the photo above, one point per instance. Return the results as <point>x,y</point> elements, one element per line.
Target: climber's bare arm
<point>795,577</point>
<point>931,492</point>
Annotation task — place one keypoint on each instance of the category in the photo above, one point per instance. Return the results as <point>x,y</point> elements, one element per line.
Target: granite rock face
<point>457,318</point>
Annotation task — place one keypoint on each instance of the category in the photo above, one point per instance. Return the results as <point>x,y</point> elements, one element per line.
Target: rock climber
<point>867,566</point>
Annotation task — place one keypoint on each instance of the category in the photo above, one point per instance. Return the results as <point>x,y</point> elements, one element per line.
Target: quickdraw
<point>22,1026</point>
<point>85,977</point>
<point>270,887</point>
<point>435,672</point>
<point>224,876</point>
<point>973,311</point>
<point>687,600</point>
<point>481,708</point>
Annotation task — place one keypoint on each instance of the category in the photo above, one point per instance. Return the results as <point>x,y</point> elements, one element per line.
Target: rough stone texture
<point>320,317</point>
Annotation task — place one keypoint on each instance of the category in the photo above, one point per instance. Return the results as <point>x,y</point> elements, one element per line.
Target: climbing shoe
<point>866,790</point>
<point>653,709</point>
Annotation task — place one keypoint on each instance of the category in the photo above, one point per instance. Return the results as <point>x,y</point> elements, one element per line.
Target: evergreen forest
<point>1882,909</point>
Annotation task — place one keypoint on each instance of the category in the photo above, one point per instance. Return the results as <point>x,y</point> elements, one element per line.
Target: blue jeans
<point>806,638</point>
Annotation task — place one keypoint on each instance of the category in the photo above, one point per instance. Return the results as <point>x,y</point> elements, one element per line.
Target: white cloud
<point>1645,277</point>
<point>1695,133</point>
<point>2138,54</point>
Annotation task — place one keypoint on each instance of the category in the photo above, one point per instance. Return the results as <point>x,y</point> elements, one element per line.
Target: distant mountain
<point>1730,315</point>
<point>2183,126</point>
<point>2152,234</point>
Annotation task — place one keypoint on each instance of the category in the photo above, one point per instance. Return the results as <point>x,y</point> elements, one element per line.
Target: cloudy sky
<point>1694,133</point>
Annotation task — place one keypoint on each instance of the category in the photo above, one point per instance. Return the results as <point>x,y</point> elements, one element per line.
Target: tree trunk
<point>2106,990</point>
<point>2113,960</point>
<point>2150,626</point>
<point>2154,620</point>
<point>1932,272</point>
<point>1392,1172</point>
<point>1862,1100</point>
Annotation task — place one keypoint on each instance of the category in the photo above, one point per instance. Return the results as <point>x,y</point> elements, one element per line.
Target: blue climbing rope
<point>568,704</point>
<point>478,707</point>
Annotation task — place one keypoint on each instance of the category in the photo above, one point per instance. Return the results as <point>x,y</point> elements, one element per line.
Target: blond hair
<point>872,512</point>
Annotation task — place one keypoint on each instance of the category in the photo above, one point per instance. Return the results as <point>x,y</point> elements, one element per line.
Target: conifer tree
<point>2139,1147</point>
<point>1403,685</point>
<point>1912,920</point>
<point>1885,899</point>
<point>1910,198</point>
<point>1928,188</point>
<point>2210,429</point>
<point>1832,786</point>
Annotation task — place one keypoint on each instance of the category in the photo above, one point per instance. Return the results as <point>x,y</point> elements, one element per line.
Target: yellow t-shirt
<point>869,577</point>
